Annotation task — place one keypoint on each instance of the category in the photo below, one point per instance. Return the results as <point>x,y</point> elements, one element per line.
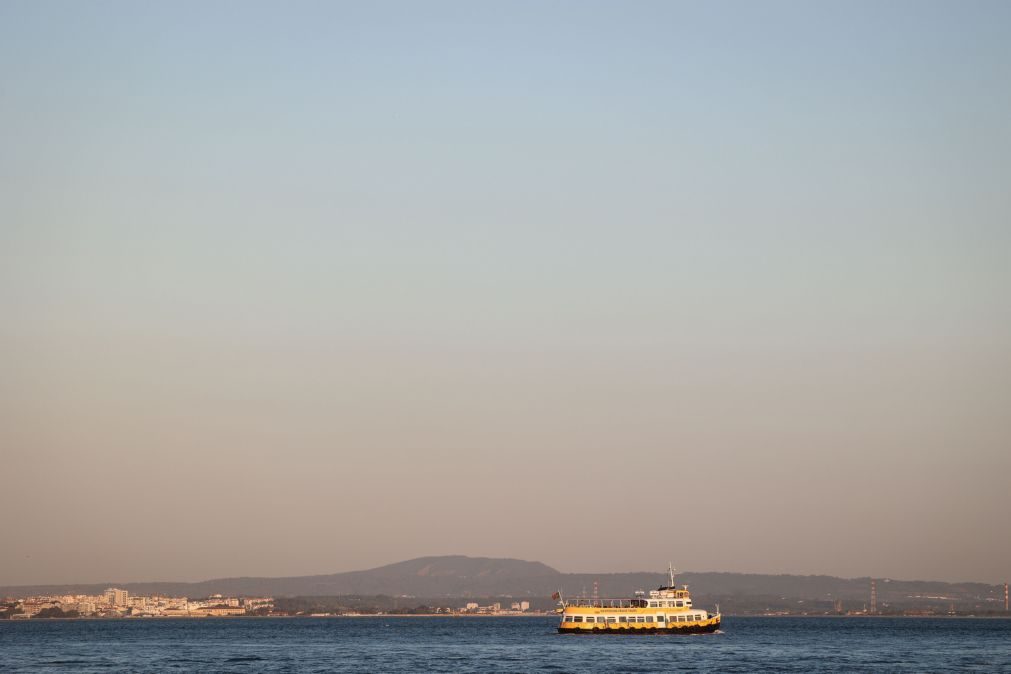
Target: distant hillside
<point>459,576</point>
<point>455,575</point>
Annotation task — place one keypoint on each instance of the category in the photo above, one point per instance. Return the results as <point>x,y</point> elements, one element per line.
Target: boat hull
<point>706,627</point>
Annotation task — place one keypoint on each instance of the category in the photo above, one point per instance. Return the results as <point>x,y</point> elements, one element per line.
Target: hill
<point>453,575</point>
<point>458,576</point>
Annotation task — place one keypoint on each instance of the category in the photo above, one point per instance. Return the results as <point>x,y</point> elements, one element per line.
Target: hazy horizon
<point>316,287</point>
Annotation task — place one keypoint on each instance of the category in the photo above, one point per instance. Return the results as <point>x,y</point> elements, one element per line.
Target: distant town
<point>119,603</point>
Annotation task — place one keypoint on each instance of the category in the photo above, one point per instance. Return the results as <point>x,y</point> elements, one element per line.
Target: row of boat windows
<point>631,603</point>
<point>633,618</point>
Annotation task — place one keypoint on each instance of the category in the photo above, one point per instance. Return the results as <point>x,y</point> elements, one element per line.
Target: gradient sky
<point>306,287</point>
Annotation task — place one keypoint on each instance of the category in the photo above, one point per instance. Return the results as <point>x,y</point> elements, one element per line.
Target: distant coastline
<point>450,582</point>
<point>373,616</point>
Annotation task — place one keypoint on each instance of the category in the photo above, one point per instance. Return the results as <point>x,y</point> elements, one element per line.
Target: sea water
<point>500,644</point>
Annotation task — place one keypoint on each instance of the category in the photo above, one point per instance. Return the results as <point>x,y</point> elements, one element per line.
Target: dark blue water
<point>500,645</point>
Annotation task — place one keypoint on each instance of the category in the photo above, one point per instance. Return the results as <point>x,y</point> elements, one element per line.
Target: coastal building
<point>116,597</point>
<point>218,600</point>
<point>33,607</point>
<point>254,603</point>
<point>218,611</point>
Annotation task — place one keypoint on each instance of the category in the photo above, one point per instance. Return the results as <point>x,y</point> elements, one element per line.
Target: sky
<point>308,287</point>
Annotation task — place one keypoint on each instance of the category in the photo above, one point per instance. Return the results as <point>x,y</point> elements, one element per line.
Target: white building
<point>117,597</point>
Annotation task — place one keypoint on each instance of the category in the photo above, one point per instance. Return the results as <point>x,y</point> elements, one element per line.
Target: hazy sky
<point>296,288</point>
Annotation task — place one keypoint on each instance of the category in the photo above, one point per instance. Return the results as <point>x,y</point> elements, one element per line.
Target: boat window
<point>611,619</point>
<point>649,618</point>
<point>577,619</point>
<point>680,603</point>
<point>623,619</point>
<point>652,604</point>
<point>660,618</point>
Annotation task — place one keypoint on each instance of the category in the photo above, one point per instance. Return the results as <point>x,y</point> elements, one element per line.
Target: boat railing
<point>608,603</point>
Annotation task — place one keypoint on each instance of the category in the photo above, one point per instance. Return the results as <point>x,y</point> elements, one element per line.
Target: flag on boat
<point>556,596</point>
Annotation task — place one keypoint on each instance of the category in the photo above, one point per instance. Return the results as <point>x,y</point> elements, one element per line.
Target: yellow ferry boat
<point>666,610</point>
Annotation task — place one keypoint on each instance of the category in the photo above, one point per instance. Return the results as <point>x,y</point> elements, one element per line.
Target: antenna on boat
<point>670,569</point>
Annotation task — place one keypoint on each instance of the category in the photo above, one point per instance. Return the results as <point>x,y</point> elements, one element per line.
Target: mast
<point>670,569</point>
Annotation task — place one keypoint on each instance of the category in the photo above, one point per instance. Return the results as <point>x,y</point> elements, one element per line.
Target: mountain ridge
<point>464,576</point>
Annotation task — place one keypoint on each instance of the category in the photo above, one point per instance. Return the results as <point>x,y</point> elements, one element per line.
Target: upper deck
<point>665,597</point>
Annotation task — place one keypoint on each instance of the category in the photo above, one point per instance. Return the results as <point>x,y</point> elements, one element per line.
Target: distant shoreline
<point>476,615</point>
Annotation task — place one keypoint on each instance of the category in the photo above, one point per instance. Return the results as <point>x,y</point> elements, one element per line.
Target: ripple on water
<point>494,645</point>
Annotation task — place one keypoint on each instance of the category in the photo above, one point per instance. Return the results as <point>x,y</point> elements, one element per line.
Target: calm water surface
<point>500,645</point>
